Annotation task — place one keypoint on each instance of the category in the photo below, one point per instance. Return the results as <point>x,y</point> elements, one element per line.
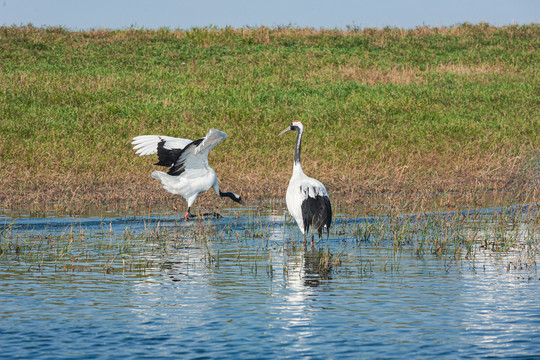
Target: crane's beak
<point>285,130</point>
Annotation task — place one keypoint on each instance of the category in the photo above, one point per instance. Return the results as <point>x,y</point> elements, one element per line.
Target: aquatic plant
<point>264,240</point>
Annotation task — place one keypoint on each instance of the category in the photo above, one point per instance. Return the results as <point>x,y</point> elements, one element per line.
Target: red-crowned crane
<point>189,173</point>
<point>307,199</point>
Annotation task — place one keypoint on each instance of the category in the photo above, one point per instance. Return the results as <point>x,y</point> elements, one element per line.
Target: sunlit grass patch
<point>385,109</point>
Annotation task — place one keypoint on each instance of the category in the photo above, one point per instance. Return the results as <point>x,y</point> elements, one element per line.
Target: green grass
<point>390,109</point>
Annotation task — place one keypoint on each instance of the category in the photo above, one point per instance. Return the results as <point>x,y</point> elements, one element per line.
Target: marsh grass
<point>509,237</point>
<point>386,110</point>
<point>263,242</point>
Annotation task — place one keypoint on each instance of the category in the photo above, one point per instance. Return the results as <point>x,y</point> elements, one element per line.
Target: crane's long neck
<point>298,148</point>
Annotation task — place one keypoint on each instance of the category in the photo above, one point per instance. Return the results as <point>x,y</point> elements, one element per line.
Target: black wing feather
<point>317,212</point>
<point>166,157</point>
<point>173,157</point>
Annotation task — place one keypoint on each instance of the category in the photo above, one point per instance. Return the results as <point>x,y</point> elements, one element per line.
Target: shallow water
<point>243,286</point>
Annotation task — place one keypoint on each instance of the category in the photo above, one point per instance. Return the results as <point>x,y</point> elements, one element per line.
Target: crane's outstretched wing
<point>211,139</point>
<point>195,154</point>
<point>148,144</point>
<point>179,154</point>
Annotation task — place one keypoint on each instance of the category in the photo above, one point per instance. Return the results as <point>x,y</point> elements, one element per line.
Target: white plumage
<point>307,199</point>
<point>147,144</point>
<point>189,173</point>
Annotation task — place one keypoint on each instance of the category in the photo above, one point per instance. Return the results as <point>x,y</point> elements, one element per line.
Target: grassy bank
<point>425,110</point>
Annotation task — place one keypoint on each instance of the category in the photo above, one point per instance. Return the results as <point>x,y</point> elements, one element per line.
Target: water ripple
<point>240,292</point>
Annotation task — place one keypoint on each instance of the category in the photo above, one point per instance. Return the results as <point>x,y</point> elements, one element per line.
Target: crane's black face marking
<point>317,212</point>
<point>232,196</point>
<point>171,157</point>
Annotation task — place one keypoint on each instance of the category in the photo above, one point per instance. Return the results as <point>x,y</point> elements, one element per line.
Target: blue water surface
<point>244,305</point>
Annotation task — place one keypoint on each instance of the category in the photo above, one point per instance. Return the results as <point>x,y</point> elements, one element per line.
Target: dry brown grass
<point>374,76</point>
<point>406,76</point>
<point>470,181</point>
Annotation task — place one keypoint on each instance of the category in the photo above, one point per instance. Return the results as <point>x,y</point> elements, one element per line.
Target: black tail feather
<point>317,213</point>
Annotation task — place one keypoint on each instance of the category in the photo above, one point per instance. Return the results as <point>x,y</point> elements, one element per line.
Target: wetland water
<point>442,285</point>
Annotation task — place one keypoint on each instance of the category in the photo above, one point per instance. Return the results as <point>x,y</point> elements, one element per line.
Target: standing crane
<point>307,199</point>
